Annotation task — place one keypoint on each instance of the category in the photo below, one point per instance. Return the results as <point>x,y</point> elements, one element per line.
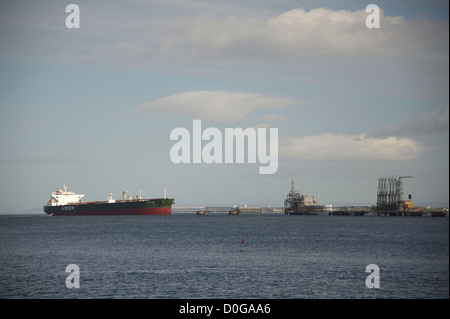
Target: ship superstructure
<point>61,197</point>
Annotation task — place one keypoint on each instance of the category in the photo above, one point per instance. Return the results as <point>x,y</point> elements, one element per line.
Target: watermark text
<point>73,19</point>
<point>223,149</point>
<point>373,19</point>
<point>73,280</point>
<point>373,280</point>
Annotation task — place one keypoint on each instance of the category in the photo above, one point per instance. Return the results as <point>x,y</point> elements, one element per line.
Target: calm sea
<point>223,256</point>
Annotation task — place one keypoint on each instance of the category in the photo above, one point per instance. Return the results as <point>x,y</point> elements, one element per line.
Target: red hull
<point>127,211</point>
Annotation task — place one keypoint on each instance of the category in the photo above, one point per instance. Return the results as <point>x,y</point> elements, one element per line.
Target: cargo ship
<point>65,203</point>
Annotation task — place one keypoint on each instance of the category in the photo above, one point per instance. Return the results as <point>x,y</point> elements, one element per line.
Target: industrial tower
<point>390,194</point>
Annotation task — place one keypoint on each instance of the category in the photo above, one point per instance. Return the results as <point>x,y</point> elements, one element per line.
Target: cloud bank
<point>432,122</point>
<point>339,147</point>
<point>294,34</point>
<point>219,106</point>
<point>291,35</point>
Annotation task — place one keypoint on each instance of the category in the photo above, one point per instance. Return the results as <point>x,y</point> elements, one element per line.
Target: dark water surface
<point>190,256</point>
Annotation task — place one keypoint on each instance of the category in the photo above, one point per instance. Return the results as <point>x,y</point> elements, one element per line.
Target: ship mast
<point>140,191</point>
<point>292,184</point>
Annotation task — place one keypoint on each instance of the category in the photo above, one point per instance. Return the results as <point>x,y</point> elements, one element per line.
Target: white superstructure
<point>60,197</point>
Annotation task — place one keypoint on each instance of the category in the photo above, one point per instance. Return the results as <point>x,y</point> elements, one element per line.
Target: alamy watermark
<point>73,19</point>
<point>223,149</point>
<point>73,280</point>
<point>373,280</point>
<point>212,152</point>
<point>373,19</point>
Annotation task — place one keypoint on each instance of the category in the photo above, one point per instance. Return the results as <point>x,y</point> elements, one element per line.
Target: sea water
<point>185,255</point>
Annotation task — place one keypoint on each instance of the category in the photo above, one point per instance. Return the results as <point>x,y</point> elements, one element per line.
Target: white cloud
<point>339,147</point>
<point>291,35</point>
<point>220,106</point>
<point>144,33</point>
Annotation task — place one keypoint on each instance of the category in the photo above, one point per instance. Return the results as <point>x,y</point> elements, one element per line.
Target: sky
<point>94,107</point>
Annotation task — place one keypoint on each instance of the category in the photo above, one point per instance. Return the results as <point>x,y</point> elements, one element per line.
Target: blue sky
<point>94,107</point>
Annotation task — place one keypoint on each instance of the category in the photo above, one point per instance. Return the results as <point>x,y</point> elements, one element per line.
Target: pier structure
<point>390,199</point>
<point>203,210</point>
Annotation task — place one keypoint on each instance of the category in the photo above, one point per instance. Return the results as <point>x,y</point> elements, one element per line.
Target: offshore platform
<point>298,204</point>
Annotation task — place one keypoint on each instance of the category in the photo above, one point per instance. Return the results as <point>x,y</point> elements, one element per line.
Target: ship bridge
<point>61,197</point>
